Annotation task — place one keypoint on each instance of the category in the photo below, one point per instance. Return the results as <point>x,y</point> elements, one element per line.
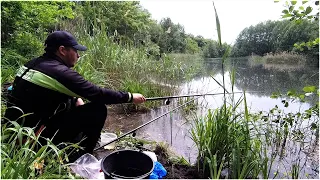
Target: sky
<point>198,17</point>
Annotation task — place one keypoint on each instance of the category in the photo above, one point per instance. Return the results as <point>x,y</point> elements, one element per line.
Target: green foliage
<point>25,24</point>
<point>200,40</point>
<point>302,10</point>
<point>274,36</point>
<point>126,18</point>
<point>23,157</point>
<point>298,13</point>
<point>222,139</point>
<point>288,58</point>
<point>173,38</point>
<point>210,50</point>
<point>192,46</point>
<point>10,62</point>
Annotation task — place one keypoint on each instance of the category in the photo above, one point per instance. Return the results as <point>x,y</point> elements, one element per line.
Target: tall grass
<point>225,145</point>
<point>24,157</point>
<point>224,142</point>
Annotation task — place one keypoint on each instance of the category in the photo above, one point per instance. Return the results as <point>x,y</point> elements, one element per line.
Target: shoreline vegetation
<point>281,58</point>
<point>129,54</point>
<point>280,61</point>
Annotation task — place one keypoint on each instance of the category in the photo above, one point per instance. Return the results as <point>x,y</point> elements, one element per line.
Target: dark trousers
<point>87,120</point>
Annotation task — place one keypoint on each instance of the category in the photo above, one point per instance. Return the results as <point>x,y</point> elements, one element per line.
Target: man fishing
<point>48,88</point>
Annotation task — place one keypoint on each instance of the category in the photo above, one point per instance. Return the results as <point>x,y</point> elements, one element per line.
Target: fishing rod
<point>161,98</point>
<point>167,102</point>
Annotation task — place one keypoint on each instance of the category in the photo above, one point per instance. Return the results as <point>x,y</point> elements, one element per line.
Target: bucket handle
<point>116,176</point>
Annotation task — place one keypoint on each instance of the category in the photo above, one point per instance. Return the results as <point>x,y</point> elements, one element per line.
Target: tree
<point>126,18</point>
<point>173,39</point>
<point>273,36</point>
<point>210,49</point>
<point>201,41</point>
<point>192,46</point>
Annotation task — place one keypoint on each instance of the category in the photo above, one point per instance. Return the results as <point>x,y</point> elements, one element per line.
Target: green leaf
<point>291,93</point>
<point>302,97</point>
<point>308,89</point>
<point>291,8</point>
<point>293,2</point>
<point>301,8</point>
<point>286,104</point>
<point>218,25</point>
<point>274,95</point>
<point>285,11</point>
<point>310,17</point>
<point>286,15</point>
<point>303,2</point>
<point>313,126</point>
<point>308,10</point>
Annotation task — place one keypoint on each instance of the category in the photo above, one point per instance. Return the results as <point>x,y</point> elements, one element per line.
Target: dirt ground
<point>176,171</point>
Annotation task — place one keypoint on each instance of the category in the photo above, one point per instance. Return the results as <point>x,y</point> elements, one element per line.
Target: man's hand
<point>79,102</point>
<point>138,98</point>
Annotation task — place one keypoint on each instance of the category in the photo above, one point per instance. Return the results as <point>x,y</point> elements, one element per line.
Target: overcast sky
<point>198,18</point>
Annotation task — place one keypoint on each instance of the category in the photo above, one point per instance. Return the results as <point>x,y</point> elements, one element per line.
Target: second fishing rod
<point>167,99</point>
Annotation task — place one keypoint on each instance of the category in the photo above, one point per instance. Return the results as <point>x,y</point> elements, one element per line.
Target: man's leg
<point>87,119</point>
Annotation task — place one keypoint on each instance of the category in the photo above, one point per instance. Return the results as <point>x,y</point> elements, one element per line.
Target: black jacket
<point>49,86</point>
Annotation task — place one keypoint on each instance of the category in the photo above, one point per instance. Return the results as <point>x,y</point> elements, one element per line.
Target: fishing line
<point>171,119</point>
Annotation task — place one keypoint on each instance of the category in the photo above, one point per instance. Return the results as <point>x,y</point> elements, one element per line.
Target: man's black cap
<point>63,38</point>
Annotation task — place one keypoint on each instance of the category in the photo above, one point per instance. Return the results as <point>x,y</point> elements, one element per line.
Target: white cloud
<point>198,17</point>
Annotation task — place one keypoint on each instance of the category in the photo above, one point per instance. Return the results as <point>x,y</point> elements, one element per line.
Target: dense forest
<point>25,24</point>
